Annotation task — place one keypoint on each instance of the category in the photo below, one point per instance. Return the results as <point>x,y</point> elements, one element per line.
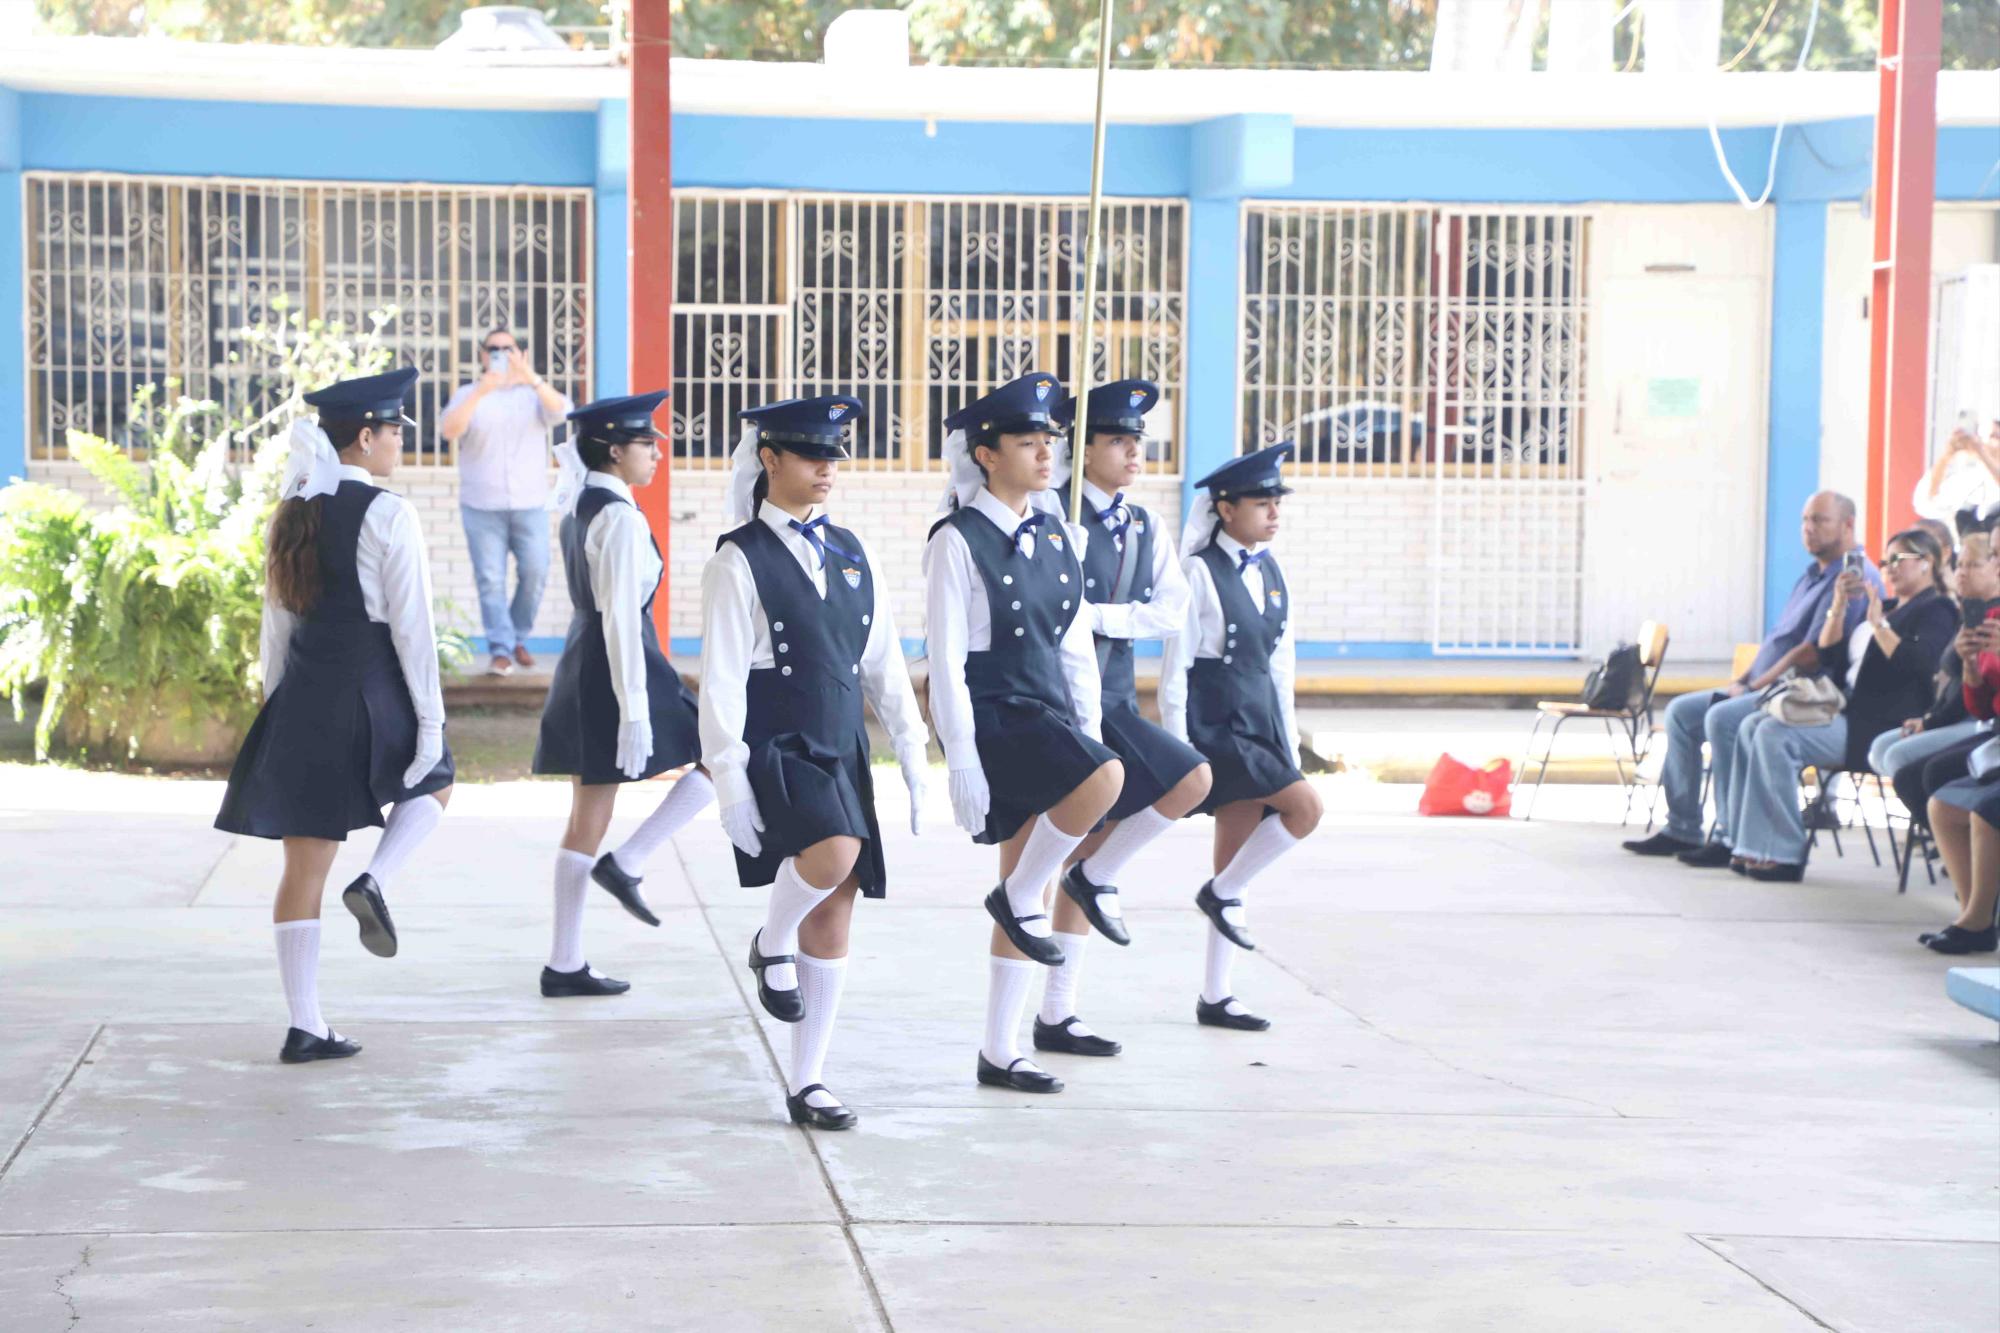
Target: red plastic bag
<point>1455,788</point>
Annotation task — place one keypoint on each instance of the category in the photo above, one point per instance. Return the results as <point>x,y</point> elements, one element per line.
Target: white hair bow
<point>745,467</point>
<point>966,477</point>
<point>570,474</point>
<point>1199,529</point>
<point>312,467</point>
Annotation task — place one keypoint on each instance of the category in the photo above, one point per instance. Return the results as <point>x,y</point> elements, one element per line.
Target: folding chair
<point>1634,725</point>
<point>1825,803</point>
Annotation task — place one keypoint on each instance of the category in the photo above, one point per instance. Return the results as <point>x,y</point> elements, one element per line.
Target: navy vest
<point>1251,632</point>
<point>813,687</point>
<point>340,517</point>
<point>1101,562</point>
<point>576,565</point>
<point>1031,601</point>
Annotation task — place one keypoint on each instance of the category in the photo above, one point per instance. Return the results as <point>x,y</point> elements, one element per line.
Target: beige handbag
<point>1805,701</point>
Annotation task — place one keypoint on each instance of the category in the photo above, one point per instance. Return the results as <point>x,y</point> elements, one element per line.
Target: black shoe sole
<point>378,932</point>
<point>313,1057</point>
<point>1111,928</point>
<point>628,898</point>
<point>1004,1080</point>
<point>803,1115</point>
<point>1044,951</point>
<point>572,993</point>
<point>1054,1049</point>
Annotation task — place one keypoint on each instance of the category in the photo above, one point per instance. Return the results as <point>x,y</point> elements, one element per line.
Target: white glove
<point>970,798</point>
<point>742,822</point>
<point>430,749</point>
<point>635,747</point>
<point>1175,722</point>
<point>915,764</point>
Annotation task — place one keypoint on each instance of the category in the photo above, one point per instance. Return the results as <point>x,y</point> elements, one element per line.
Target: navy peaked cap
<point>1250,476</point>
<point>377,398</point>
<point>814,427</point>
<point>1117,408</point>
<point>619,419</point>
<point>1025,404</point>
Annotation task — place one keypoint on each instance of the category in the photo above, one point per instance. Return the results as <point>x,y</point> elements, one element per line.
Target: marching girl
<point>1133,589</point>
<point>617,711</point>
<point>353,718</point>
<point>1014,689</point>
<point>1226,687</point>
<point>794,637</point>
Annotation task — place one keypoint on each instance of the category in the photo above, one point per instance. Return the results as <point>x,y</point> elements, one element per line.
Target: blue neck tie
<point>1245,559</point>
<point>1116,510</point>
<point>1027,526</point>
<point>810,531</point>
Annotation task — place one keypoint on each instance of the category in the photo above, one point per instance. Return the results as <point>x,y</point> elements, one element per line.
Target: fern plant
<point>147,613</point>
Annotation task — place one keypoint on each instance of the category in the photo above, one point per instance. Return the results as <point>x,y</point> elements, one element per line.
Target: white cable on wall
<point>1777,135</point>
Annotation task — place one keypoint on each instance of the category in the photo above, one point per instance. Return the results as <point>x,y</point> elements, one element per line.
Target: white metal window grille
<point>1410,342</point>
<point>138,280</point>
<point>916,305</point>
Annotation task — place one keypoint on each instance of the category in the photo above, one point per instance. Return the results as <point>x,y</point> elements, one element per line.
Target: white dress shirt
<point>395,578</point>
<point>736,640</point>
<point>959,622</point>
<point>1203,631</point>
<point>624,569</point>
<point>1154,619</point>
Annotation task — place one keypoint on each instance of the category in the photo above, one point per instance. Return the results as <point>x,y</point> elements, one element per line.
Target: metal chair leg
<point>1527,757</point>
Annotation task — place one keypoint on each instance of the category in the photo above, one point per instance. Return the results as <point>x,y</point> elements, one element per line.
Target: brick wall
<point>1356,552</point>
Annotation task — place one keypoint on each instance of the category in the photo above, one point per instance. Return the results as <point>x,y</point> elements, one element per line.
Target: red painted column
<point>649,261</point>
<point>1899,310</point>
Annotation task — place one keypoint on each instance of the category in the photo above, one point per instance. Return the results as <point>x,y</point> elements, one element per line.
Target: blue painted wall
<point>1216,165</point>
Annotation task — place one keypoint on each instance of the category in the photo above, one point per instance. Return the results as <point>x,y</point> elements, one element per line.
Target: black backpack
<point>1618,683</point>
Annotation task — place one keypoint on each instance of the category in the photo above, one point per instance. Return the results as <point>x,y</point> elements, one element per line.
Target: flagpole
<point>1084,346</point>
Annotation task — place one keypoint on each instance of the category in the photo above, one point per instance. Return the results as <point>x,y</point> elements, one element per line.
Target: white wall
<point>1961,234</point>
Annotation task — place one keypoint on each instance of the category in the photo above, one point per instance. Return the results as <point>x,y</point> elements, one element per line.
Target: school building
<point>1547,375</point>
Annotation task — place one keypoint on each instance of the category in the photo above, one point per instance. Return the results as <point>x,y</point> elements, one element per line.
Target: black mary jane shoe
<point>1959,940</point>
<point>787,1006</point>
<point>302,1047</point>
<point>1659,844</point>
<point>378,933</point>
<point>1058,1038</point>
<point>560,985</point>
<point>625,888</point>
<point>1039,948</point>
<point>1212,907</point>
<point>1708,856</point>
<point>1779,873</point>
<point>1013,1076</point>
<point>1087,896</point>
<point>1217,1015</point>
<point>818,1117</point>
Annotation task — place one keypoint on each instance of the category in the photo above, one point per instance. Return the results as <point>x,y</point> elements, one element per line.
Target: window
<point>914,305</point>
<point>135,280</point>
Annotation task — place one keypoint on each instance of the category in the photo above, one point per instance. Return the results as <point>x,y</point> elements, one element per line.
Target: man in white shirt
<point>501,423</point>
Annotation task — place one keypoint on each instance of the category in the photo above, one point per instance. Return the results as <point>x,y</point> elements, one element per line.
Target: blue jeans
<point>1769,826</point>
<point>1690,720</point>
<point>490,536</point>
<point>1892,751</point>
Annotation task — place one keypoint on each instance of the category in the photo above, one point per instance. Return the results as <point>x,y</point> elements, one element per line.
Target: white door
<point>1675,432</point>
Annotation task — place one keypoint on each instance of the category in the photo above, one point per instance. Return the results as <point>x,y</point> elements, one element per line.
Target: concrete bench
<point>1977,988</point>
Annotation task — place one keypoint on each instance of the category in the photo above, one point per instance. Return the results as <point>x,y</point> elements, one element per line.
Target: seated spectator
<point>1827,530</point>
<point>1901,755</point>
<point>1965,815</point>
<point>1905,637</point>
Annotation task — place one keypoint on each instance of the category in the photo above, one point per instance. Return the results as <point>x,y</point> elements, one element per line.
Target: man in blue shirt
<point>1827,529</point>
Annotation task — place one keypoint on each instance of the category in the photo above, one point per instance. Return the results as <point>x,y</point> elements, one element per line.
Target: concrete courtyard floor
<point>1518,1080</point>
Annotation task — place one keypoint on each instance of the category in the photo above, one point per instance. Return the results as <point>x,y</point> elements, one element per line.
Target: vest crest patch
<point>852,575</point>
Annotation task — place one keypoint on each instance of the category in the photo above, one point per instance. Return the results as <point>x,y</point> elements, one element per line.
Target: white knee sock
<point>1123,843</point>
<point>1041,856</point>
<point>1266,843</point>
<point>691,794</point>
<point>1221,959</point>
<point>1007,982</point>
<point>410,822</point>
<point>1059,983</point>
<point>572,883</point>
<point>820,982</point>
<point>298,969</point>
<point>792,901</point>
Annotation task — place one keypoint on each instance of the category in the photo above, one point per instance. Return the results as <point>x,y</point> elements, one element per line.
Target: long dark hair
<point>1926,545</point>
<point>291,542</point>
